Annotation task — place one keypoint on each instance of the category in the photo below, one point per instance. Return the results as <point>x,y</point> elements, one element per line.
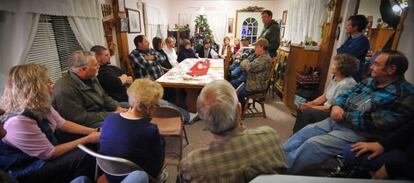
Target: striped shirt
<point>238,156</point>
<point>377,110</point>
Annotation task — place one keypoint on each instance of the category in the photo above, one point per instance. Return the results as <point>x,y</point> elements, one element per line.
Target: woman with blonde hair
<point>225,47</point>
<point>131,135</point>
<point>30,151</point>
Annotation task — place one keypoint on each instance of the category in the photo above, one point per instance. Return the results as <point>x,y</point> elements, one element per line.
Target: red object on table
<point>196,71</point>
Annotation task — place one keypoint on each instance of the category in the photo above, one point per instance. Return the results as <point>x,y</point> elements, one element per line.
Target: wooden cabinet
<point>294,60</point>
<point>379,37</point>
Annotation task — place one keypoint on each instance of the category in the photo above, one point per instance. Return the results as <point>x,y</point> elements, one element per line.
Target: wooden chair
<point>170,123</point>
<point>249,108</point>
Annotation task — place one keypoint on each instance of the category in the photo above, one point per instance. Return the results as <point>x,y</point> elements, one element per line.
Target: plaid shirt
<point>146,68</point>
<point>239,156</point>
<point>377,110</point>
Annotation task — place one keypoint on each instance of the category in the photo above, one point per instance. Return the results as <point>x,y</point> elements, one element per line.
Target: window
<point>249,29</point>
<point>52,45</point>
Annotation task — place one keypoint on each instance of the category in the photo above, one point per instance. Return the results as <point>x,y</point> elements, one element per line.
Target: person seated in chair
<point>257,71</point>
<point>243,53</point>
<point>78,96</point>
<point>319,109</point>
<point>206,51</point>
<point>225,47</point>
<point>390,157</point>
<point>169,50</point>
<point>131,135</point>
<point>30,152</point>
<point>147,63</point>
<point>158,45</point>
<point>369,111</point>
<point>111,78</point>
<point>185,51</point>
<point>236,154</point>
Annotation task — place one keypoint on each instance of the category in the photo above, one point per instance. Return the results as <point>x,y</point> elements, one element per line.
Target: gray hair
<point>217,106</point>
<point>79,59</point>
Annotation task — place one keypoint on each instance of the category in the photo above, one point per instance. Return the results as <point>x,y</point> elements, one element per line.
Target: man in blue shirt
<point>369,111</point>
<point>357,43</point>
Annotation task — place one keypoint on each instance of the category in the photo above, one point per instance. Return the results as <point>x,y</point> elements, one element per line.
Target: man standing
<point>236,154</point>
<point>170,51</point>
<point>111,77</point>
<point>357,43</point>
<point>78,96</point>
<point>145,60</point>
<point>271,32</point>
<point>369,111</point>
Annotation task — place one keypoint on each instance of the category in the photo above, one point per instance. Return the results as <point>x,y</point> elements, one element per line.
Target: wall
<point>406,43</point>
<point>219,6</point>
<point>370,8</point>
<point>162,5</point>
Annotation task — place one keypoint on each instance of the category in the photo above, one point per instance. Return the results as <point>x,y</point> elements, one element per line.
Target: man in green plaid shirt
<point>236,154</point>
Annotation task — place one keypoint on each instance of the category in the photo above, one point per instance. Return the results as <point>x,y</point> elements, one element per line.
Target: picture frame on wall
<point>282,32</point>
<point>284,17</point>
<point>124,25</point>
<point>230,23</point>
<point>134,21</point>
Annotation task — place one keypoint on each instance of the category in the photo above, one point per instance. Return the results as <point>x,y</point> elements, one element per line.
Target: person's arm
<point>319,101</point>
<point>158,147</point>
<point>387,117</point>
<point>71,127</point>
<point>69,104</point>
<point>143,61</point>
<point>254,67</point>
<point>214,54</point>
<point>110,82</point>
<point>62,149</point>
<point>25,134</point>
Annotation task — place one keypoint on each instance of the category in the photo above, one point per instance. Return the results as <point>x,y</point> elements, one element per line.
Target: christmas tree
<point>202,30</point>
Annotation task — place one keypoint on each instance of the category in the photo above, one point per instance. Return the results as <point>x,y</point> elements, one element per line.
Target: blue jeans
<point>236,82</point>
<point>243,93</point>
<point>393,155</point>
<point>316,143</point>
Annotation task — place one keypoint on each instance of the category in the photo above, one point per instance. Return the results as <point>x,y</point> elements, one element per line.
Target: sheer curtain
<point>17,31</point>
<point>156,23</point>
<point>304,20</point>
<point>88,31</point>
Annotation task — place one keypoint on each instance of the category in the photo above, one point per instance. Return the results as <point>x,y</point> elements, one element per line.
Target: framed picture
<point>134,21</point>
<point>124,24</point>
<point>284,17</point>
<point>282,32</point>
<point>230,22</point>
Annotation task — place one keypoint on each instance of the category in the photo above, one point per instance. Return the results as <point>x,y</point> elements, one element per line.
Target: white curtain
<point>156,23</point>
<point>88,31</point>
<point>216,21</point>
<point>17,31</point>
<point>304,20</point>
<point>19,20</point>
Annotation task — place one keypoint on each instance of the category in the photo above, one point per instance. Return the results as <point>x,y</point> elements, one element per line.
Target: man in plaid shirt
<point>236,154</point>
<point>369,111</point>
<point>145,60</point>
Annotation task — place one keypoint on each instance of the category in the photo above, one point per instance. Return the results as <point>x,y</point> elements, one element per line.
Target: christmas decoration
<point>202,30</point>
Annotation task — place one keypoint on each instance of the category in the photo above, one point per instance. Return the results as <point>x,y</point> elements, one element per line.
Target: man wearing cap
<point>271,32</point>
<point>257,71</point>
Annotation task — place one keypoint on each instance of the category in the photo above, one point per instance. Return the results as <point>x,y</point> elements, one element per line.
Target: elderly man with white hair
<point>236,154</point>
<point>78,96</point>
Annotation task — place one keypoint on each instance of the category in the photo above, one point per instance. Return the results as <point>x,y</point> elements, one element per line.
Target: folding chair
<point>113,165</point>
